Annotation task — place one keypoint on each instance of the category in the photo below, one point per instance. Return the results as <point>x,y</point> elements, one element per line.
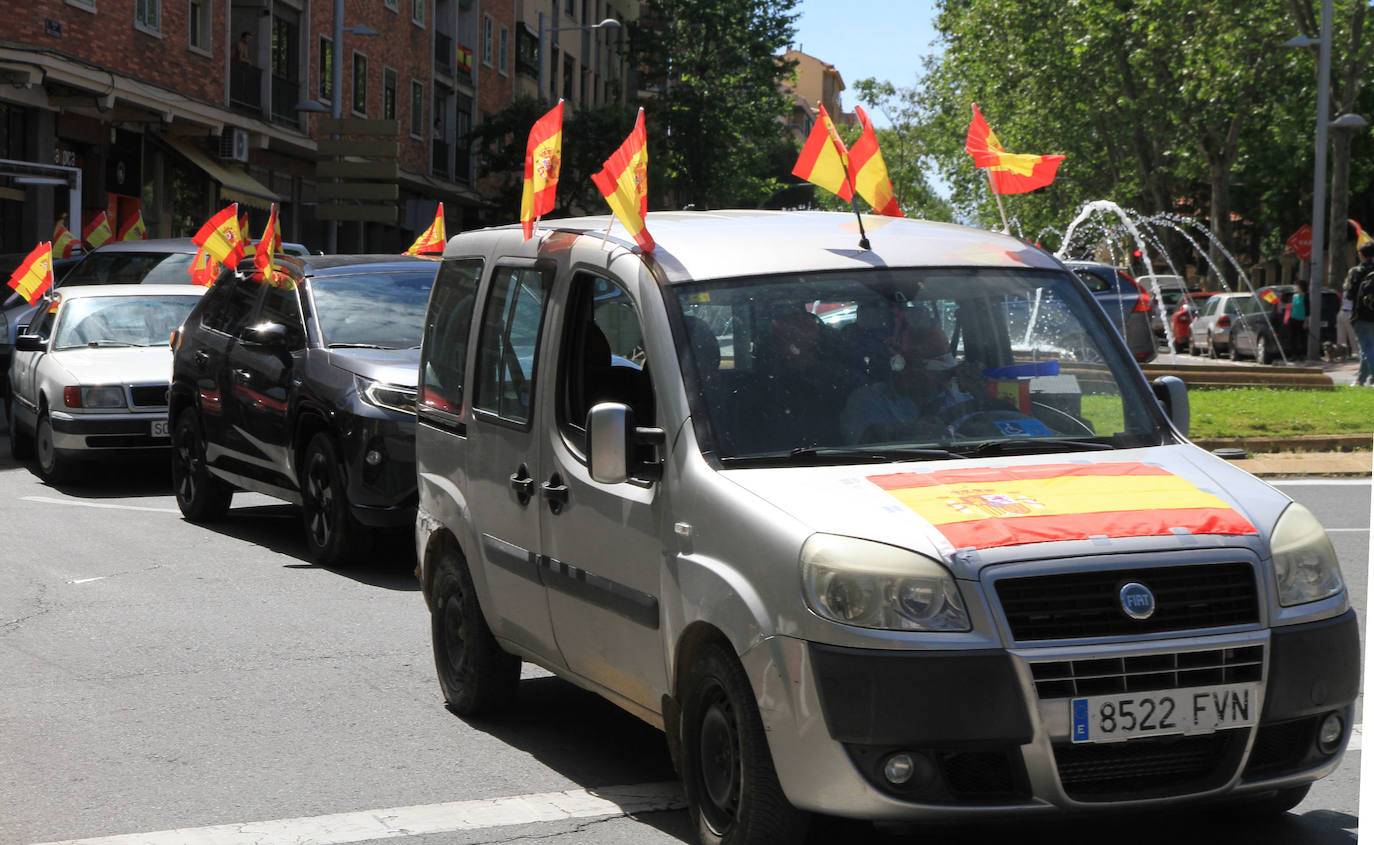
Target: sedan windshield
<point>121,320</point>
<point>131,268</point>
<point>883,364</point>
<point>376,309</point>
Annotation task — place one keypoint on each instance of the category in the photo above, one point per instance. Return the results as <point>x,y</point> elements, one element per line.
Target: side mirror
<point>266,334</point>
<point>30,343</point>
<point>610,427</point>
<point>1172,394</point>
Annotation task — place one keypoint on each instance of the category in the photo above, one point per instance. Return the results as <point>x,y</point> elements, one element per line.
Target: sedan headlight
<point>394,397</point>
<point>103,396</point>
<point>1305,564</point>
<point>874,585</point>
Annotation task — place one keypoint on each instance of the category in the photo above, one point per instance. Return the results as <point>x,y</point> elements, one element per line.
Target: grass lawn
<point>1270,412</point>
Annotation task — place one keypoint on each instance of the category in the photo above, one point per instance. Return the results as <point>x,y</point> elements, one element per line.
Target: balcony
<point>443,53</point>
<point>245,87</point>
<point>285,94</point>
<point>440,165</point>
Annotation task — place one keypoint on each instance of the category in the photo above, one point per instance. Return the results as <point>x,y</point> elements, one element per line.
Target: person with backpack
<point>1359,288</point>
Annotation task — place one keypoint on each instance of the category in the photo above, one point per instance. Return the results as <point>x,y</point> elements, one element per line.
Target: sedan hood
<point>117,364</point>
<point>973,513</point>
<point>393,366</point>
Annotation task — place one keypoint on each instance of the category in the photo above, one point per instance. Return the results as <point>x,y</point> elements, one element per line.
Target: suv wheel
<point>475,674</point>
<point>201,497</point>
<point>21,442</point>
<point>733,794</point>
<point>52,466</point>
<point>331,532</point>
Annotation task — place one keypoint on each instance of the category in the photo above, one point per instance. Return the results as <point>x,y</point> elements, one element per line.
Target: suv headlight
<point>394,397</point>
<point>1305,564</point>
<point>874,585</point>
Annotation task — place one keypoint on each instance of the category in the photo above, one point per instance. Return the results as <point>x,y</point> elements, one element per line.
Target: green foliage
<point>1262,412</point>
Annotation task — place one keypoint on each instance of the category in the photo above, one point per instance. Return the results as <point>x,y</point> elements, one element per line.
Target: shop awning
<point>235,185</point>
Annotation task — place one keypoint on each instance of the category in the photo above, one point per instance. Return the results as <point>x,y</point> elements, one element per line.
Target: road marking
<point>1356,738</point>
<point>419,820</point>
<point>48,500</point>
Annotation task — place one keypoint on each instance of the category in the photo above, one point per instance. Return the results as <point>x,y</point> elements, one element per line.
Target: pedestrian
<point>1359,287</point>
<point>1345,331</point>
<point>243,50</point>
<point>1296,321</point>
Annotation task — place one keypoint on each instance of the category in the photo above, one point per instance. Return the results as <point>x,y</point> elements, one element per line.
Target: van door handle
<point>556,492</point>
<point>523,484</point>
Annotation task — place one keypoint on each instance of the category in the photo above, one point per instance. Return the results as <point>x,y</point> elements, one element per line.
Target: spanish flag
<point>543,156</point>
<point>1270,296</point>
<point>133,229</point>
<point>204,269</point>
<point>624,182</point>
<point>34,276</point>
<point>1009,173</point>
<point>1361,236</point>
<point>986,507</point>
<point>267,247</point>
<point>824,160</point>
<point>432,239</point>
<point>97,231</point>
<point>221,236</point>
<point>63,241</point>
<point>870,173</point>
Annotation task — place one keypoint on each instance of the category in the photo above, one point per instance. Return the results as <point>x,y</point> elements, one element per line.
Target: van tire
<point>733,794</point>
<point>202,497</point>
<point>476,676</point>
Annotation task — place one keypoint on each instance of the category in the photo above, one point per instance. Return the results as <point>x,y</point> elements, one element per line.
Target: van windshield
<point>896,364</point>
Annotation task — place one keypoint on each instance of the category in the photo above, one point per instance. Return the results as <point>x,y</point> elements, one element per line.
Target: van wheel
<point>475,674</point>
<point>201,497</point>
<point>733,794</point>
<point>21,442</point>
<point>333,536</point>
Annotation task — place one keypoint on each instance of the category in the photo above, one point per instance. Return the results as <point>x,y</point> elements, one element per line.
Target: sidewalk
<point>1283,464</point>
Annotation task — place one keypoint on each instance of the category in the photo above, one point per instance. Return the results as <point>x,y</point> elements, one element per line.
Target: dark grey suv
<point>304,390</point>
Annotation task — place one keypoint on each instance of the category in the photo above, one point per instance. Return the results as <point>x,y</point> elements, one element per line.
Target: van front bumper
<point>986,744</point>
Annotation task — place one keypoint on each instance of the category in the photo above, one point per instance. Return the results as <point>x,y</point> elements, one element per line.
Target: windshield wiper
<point>1031,444</point>
<point>359,346</point>
<point>98,343</point>
<point>821,455</point>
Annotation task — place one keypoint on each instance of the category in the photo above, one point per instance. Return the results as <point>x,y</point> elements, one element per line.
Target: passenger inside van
<point>909,401</point>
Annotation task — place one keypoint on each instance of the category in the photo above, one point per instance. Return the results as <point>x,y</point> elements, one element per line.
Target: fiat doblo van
<point>888,533</point>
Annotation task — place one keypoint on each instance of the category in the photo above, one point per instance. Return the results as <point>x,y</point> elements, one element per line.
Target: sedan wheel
<point>1211,348</point>
<point>51,465</point>
<point>1231,348</point>
<point>1264,352</point>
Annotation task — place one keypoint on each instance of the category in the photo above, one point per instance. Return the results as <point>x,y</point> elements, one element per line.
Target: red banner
<point>1301,242</point>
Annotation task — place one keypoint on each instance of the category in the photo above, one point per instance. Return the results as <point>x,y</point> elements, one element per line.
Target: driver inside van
<point>908,401</point>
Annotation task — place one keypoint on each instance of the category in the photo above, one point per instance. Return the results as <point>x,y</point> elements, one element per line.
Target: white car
<point>91,378</point>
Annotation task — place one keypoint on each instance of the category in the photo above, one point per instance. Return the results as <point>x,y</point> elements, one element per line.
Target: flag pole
<point>854,204</point>
<point>992,186</point>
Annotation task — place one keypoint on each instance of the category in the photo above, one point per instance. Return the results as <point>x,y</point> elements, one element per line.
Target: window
<point>487,26</point>
<point>148,15</point>
<point>508,349</point>
<point>281,305</point>
<point>390,4</point>
<point>444,350</point>
<point>417,108</point>
<point>198,25</point>
<point>325,69</point>
<point>570,6</point>
<point>417,12</point>
<point>503,51</point>
<point>388,93</point>
<point>602,355</point>
<point>360,83</point>
<point>233,299</point>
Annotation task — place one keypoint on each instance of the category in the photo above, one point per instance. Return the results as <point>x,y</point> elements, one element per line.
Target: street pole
<point>1314,288</point>
<point>336,101</point>
<point>543,59</point>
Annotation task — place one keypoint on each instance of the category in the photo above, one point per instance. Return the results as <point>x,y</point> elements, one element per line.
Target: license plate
<point>160,428</point>
<point>1111,718</point>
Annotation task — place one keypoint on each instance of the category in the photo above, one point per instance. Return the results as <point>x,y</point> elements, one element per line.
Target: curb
<point>1300,443</point>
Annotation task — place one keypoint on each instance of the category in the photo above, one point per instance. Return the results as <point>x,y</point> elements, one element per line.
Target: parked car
<point>304,390</point>
<point>90,378</point>
<point>1210,330</point>
<point>987,578</point>
<point>1126,302</point>
<point>1183,316</point>
<point>15,310</point>
<point>1262,334</point>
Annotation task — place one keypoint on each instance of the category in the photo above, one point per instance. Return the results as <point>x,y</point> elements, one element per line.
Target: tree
<point>715,127</point>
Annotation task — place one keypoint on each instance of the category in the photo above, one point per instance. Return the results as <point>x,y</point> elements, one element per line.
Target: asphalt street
<point>168,684</point>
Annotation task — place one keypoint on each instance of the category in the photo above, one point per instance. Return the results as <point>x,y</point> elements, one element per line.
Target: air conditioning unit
<point>233,144</point>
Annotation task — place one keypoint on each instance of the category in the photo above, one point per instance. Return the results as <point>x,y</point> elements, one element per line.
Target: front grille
<point>149,395</point>
<point>979,774</point>
<point>1142,673</point>
<point>1147,768</point>
<point>1088,604</point>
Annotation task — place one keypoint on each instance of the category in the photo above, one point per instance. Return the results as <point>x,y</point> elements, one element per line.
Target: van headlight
<point>874,585</point>
<point>395,397</point>
<point>1305,564</point>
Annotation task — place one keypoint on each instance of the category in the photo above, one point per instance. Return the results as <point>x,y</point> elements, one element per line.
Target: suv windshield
<point>131,268</point>
<point>948,362</point>
<point>122,320</point>
<point>380,308</point>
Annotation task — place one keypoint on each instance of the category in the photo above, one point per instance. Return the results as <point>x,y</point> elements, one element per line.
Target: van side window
<point>603,355</point>
<point>507,349</point>
<point>444,350</point>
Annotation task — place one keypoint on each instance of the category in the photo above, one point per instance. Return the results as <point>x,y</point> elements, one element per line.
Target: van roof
<point>695,245</point>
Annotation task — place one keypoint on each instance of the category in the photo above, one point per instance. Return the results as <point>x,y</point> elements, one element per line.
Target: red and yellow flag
<point>824,160</point>
<point>986,507</point>
<point>1009,173</point>
<point>34,276</point>
<point>204,269</point>
<point>97,231</point>
<point>222,237</point>
<point>133,228</point>
<point>266,249</point>
<point>870,173</point>
<point>624,182</point>
<point>543,157</point>
<point>432,239</point>
<point>1270,296</point>
<point>1361,236</point>
<point>63,241</point>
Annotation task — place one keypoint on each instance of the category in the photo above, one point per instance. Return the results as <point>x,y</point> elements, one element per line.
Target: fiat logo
<point>1137,601</point>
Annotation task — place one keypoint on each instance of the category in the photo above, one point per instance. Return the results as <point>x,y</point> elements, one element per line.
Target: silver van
<point>887,533</point>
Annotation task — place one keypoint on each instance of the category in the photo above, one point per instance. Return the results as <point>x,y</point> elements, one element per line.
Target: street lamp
<point>544,69</point>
